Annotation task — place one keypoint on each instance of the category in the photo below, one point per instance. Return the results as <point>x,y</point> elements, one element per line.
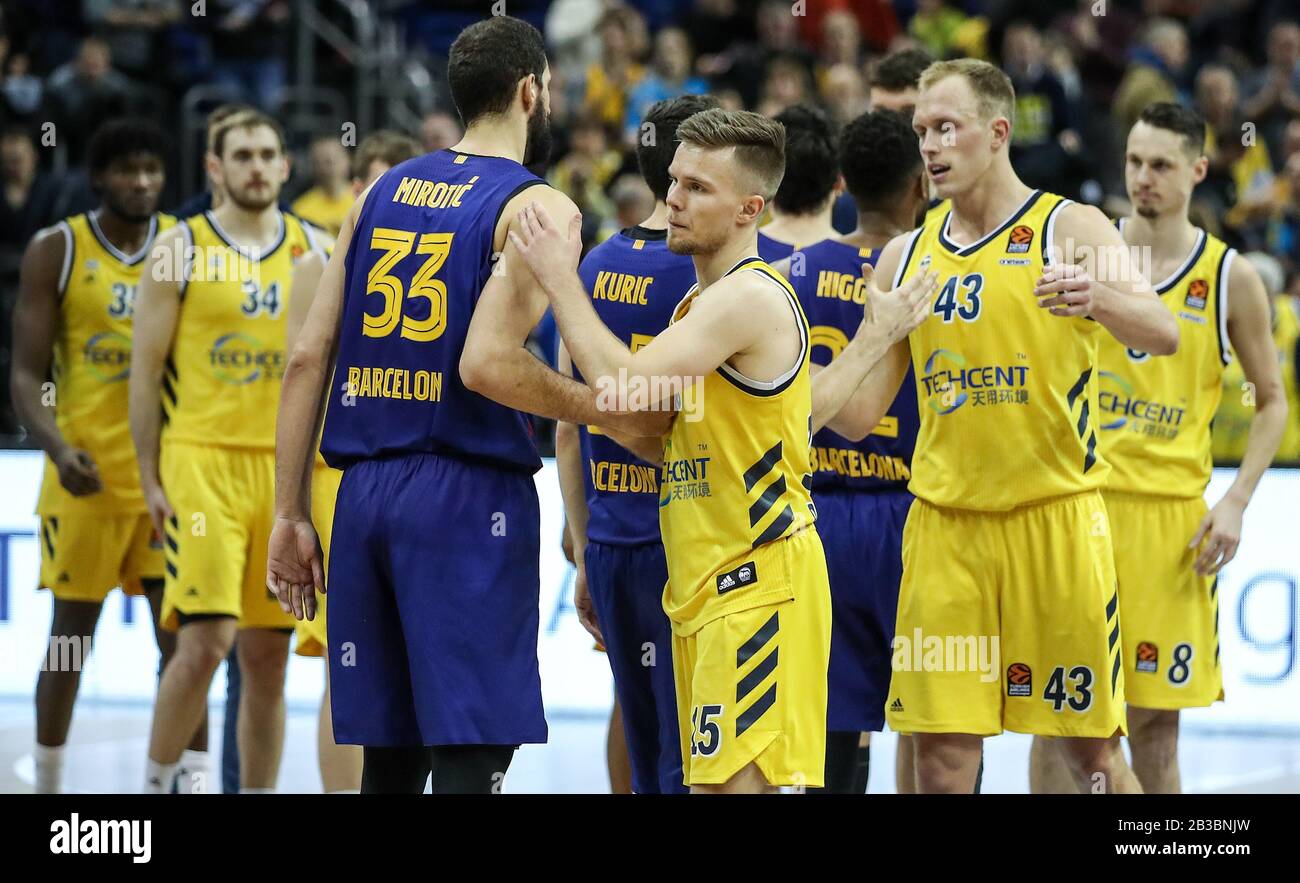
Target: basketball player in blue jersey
<point>432,627</point>
<point>860,471</point>
<point>611,495</point>
<point>801,210</point>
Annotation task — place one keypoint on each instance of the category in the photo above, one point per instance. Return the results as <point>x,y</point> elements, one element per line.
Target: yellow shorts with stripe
<point>86,556</point>
<point>310,634</point>
<point>1170,613</point>
<point>751,684</point>
<point>1008,621</point>
<point>216,543</point>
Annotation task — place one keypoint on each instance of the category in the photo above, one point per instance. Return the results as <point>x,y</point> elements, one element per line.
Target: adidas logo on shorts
<point>743,575</point>
<point>896,705</point>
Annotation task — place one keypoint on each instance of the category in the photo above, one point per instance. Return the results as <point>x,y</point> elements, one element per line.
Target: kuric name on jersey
<point>394,383</point>
<point>623,288</point>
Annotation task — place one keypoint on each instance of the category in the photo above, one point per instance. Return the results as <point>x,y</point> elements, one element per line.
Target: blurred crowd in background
<point>1083,70</point>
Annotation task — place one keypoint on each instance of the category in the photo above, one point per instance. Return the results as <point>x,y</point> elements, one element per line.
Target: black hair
<point>812,163</point>
<point>1177,119</point>
<point>121,138</point>
<point>488,60</point>
<point>901,70</point>
<point>879,158</point>
<point>657,138</point>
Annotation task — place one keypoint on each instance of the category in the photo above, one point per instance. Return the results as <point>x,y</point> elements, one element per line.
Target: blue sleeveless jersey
<point>635,283</point>
<point>772,251</point>
<point>827,277</point>
<point>421,253</point>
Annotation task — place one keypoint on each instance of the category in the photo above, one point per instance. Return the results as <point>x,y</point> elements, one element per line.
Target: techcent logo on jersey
<point>108,355</point>
<point>240,358</point>
<point>1121,407</point>
<point>949,383</point>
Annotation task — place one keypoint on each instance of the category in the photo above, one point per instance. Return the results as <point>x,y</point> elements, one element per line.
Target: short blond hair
<point>992,87</point>
<point>759,143</point>
<point>247,120</point>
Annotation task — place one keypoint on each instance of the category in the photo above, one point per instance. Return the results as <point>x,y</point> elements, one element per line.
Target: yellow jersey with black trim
<point>1007,392</point>
<point>91,362</point>
<point>1231,428</point>
<point>221,385</point>
<point>1155,411</point>
<point>736,476</point>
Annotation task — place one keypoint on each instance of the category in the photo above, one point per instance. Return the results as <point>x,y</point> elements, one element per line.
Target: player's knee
<point>264,658</point>
<point>74,619</point>
<point>1153,729</point>
<point>1090,757</point>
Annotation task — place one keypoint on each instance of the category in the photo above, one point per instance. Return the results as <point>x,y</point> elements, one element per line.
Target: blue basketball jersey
<point>635,283</point>
<point>421,253</point>
<point>772,251</point>
<point>827,277</point>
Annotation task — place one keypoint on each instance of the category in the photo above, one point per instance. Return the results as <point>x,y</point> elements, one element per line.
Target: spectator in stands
<point>85,93</point>
<point>937,25</point>
<point>785,84</point>
<point>439,130</point>
<point>1274,92</point>
<point>633,202</point>
<point>585,171</point>
<point>717,25</point>
<point>841,42</point>
<point>610,82</point>
<point>330,197</point>
<point>1239,161</point>
<point>1153,72</point>
<point>1284,231</point>
<point>1045,143</point>
<point>21,90</point>
<point>744,66</point>
<point>893,82</point>
<point>844,93</point>
<point>134,30</point>
<point>249,44</point>
<point>670,75</point>
<point>1099,44</point>
<point>30,197</point>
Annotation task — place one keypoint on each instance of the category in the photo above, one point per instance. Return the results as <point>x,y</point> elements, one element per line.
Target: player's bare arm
<point>1097,276</point>
<point>568,462</point>
<point>495,362</point>
<point>888,317</point>
<point>157,310</point>
<point>736,314</point>
<point>36,326</point>
<point>306,277</point>
<point>869,402</point>
<point>295,565</point>
<point>1249,330</point>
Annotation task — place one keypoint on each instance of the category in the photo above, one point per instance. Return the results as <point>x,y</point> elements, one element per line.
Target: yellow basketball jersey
<point>91,362</point>
<point>1156,410</point>
<point>736,477</point>
<point>1007,391</point>
<point>222,381</point>
<point>1231,429</point>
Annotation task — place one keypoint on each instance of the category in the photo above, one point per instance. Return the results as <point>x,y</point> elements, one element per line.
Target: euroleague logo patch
<point>1197,291</point>
<point>1019,240</point>
<point>1020,680</point>
<point>1148,657</point>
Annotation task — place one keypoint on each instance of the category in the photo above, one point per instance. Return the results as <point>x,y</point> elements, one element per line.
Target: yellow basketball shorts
<point>310,634</point>
<point>84,556</point>
<point>1170,613</point>
<point>1008,620</point>
<point>216,542</point>
<point>751,684</point>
